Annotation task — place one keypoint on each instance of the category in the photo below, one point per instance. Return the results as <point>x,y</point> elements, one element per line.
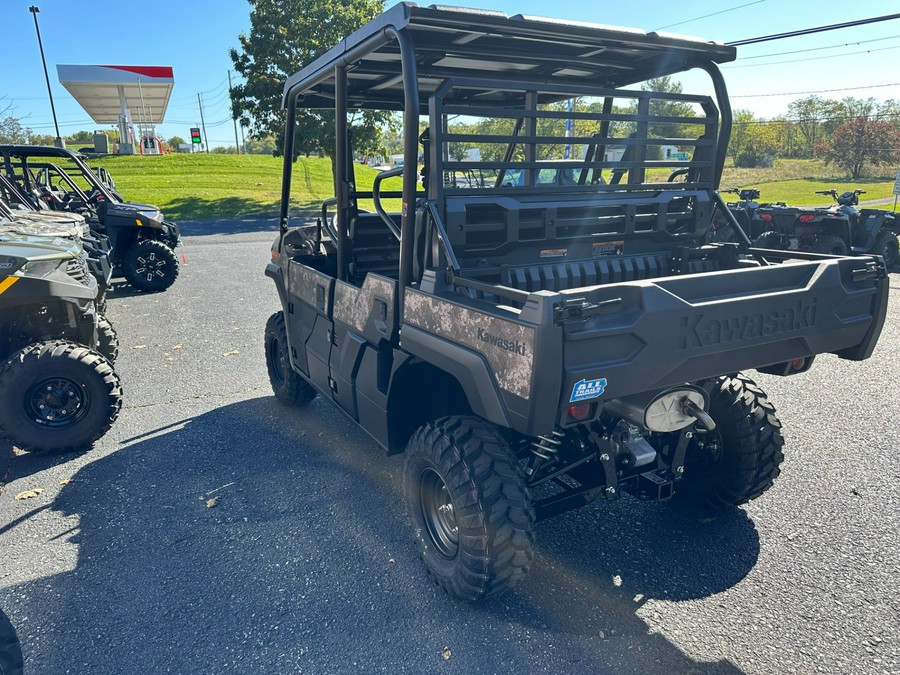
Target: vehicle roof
<point>38,151</point>
<point>487,44</point>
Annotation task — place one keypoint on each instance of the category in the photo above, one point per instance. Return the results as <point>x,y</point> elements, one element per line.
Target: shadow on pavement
<point>272,540</point>
<point>188,208</point>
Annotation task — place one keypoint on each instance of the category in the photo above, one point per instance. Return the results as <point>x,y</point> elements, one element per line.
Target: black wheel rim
<point>150,266</point>
<point>277,362</point>
<point>56,402</point>
<point>438,514</point>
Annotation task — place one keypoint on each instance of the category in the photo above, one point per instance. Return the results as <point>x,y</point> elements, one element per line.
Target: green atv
<point>71,226</point>
<point>58,388</point>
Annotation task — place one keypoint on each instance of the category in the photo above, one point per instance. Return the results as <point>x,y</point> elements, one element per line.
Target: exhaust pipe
<point>667,411</point>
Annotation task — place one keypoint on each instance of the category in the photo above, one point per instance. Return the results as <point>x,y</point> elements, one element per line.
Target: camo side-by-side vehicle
<point>534,345</point>
<point>142,242</point>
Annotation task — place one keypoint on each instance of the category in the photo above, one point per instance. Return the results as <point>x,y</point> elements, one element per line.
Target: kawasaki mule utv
<point>58,388</point>
<point>533,346</point>
<point>142,242</point>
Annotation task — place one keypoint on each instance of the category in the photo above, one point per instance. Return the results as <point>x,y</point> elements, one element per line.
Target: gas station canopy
<point>104,91</point>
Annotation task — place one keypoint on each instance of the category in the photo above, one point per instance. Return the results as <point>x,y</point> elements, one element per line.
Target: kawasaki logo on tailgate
<point>699,331</point>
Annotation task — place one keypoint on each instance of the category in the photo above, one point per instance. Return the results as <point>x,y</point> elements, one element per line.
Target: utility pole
<point>233,116</point>
<point>203,123</point>
<point>35,10</point>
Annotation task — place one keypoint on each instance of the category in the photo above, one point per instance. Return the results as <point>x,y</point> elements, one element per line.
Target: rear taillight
<point>806,217</point>
<point>766,217</point>
<point>580,411</point>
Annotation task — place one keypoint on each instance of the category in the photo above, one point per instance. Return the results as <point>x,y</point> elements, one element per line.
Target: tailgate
<point>681,329</point>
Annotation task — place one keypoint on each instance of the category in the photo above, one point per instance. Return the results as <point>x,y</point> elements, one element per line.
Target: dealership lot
<point>213,530</point>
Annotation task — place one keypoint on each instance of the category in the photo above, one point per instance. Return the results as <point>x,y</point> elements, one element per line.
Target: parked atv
<point>58,388</point>
<point>744,211</point>
<point>837,230</point>
<point>25,220</point>
<point>143,242</point>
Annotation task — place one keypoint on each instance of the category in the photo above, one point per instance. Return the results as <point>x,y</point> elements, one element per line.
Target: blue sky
<point>194,36</point>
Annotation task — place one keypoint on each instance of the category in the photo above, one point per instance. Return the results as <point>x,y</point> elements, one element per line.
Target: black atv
<point>142,242</point>
<point>840,229</point>
<point>58,388</point>
<point>745,212</point>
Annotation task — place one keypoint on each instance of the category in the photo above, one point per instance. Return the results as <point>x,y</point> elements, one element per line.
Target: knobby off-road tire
<point>739,460</point>
<point>57,396</point>
<point>10,649</point>
<point>830,244</point>
<point>770,240</point>
<point>469,508</point>
<point>289,387</point>
<point>886,246</point>
<point>150,266</point>
<point>107,339</point>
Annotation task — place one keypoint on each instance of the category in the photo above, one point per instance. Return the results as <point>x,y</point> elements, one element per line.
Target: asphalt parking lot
<point>305,563</point>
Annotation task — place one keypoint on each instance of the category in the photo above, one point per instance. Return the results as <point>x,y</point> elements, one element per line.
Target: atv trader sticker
<point>587,389</point>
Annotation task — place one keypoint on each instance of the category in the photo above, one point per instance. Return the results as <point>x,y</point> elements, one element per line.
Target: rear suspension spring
<point>547,447</point>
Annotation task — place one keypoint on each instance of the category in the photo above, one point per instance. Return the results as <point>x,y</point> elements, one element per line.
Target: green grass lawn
<point>201,186</point>
<point>796,181</point>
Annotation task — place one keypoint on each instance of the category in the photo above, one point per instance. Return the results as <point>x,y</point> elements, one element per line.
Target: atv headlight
<point>41,268</point>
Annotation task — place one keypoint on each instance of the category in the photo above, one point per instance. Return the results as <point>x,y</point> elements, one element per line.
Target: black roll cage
<point>313,85</point>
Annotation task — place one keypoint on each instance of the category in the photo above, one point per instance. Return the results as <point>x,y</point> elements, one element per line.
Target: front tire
<point>150,266</point>
<point>739,460</point>
<point>289,387</point>
<point>57,396</point>
<point>469,508</point>
<point>887,247</point>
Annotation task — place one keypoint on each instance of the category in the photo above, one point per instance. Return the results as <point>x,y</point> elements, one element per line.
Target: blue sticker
<point>587,389</point>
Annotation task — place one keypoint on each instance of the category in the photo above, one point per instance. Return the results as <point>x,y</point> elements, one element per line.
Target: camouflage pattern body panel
<point>302,284</point>
<point>368,310</point>
<point>507,346</point>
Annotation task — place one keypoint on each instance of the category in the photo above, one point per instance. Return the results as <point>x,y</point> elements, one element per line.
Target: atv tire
<point>887,247</point>
<point>57,396</point>
<point>829,244</point>
<point>10,650</point>
<point>289,387</point>
<point>468,506</point>
<point>739,460</point>
<point>107,339</point>
<point>769,240</point>
<point>150,266</point>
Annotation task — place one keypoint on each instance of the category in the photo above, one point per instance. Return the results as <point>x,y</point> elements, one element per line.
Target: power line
<point>817,49</point>
<point>705,16</point>
<point>814,58</point>
<point>818,91</point>
<point>810,31</point>
<point>820,120</point>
